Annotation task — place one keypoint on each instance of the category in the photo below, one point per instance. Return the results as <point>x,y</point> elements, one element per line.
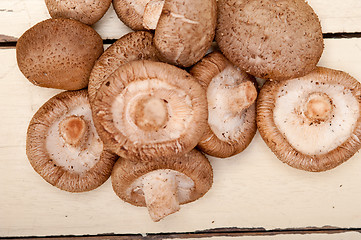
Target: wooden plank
<point>19,15</point>
<point>251,190</point>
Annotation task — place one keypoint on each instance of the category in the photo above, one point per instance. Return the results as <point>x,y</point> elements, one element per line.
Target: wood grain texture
<point>19,15</point>
<point>251,190</point>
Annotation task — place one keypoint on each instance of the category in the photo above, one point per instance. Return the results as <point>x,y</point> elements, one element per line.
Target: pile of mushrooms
<point>143,115</point>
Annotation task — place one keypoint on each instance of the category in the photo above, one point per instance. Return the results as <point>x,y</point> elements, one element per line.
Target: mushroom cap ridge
<point>54,54</point>
<point>204,71</point>
<point>146,77</point>
<point>282,148</point>
<point>193,164</point>
<point>42,162</point>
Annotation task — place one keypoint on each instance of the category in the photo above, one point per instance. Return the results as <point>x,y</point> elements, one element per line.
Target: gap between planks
<point>7,42</point>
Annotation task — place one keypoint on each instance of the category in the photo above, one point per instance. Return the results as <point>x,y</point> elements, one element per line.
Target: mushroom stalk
<point>242,97</point>
<point>73,130</point>
<point>161,195</point>
<point>152,13</point>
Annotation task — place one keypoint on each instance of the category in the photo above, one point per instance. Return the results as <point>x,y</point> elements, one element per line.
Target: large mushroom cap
<point>163,185</point>
<point>231,96</point>
<point>185,30</point>
<point>270,39</point>
<point>132,46</point>
<point>146,109</point>
<point>59,53</point>
<point>85,11</point>
<point>312,123</point>
<point>63,146</point>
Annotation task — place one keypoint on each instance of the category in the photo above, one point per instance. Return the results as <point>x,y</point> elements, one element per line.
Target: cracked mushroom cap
<point>277,40</point>
<point>85,11</point>
<point>146,109</point>
<point>63,146</point>
<point>163,185</point>
<point>312,123</point>
<point>231,96</point>
<point>59,53</point>
<point>132,46</point>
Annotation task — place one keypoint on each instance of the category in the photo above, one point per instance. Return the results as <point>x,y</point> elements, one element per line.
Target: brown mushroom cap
<point>185,30</point>
<point>132,46</point>
<point>191,174</point>
<point>312,123</point>
<point>63,146</point>
<point>58,53</point>
<point>131,12</point>
<point>85,11</point>
<point>146,109</point>
<point>270,39</point>
<point>231,96</point>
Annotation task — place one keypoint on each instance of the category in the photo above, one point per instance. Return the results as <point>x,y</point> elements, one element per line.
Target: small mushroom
<point>231,96</point>
<point>63,146</point>
<point>270,39</point>
<point>59,53</point>
<point>131,12</point>
<point>85,11</point>
<point>147,109</point>
<point>313,122</point>
<point>132,46</point>
<point>163,185</point>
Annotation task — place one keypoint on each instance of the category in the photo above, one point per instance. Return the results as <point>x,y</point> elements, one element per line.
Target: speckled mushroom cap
<point>59,53</point>
<point>85,11</point>
<point>147,109</point>
<point>132,46</point>
<point>131,12</point>
<point>185,31</point>
<point>231,96</point>
<point>191,176</point>
<point>312,123</point>
<point>270,39</point>
<point>63,146</point>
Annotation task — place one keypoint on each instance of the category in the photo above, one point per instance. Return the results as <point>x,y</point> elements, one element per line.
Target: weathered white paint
<point>16,16</point>
<point>252,189</point>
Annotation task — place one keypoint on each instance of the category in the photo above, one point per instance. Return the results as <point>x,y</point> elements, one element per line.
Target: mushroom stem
<point>161,195</point>
<point>73,130</point>
<point>242,97</point>
<point>318,107</point>
<point>152,13</point>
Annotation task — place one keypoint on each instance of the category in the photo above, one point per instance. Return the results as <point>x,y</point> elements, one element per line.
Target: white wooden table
<point>254,195</point>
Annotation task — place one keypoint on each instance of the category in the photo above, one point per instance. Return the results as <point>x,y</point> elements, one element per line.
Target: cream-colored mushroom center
<point>152,13</point>
<point>315,117</point>
<point>228,95</point>
<point>318,107</point>
<point>150,113</point>
<point>72,141</point>
<point>73,130</point>
<point>164,190</point>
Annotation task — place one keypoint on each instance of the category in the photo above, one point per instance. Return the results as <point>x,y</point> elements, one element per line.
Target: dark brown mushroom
<point>63,146</point>
<point>132,46</point>
<point>231,96</point>
<point>313,122</point>
<point>270,39</point>
<point>85,11</point>
<point>58,53</point>
<point>147,109</point>
<point>163,185</point>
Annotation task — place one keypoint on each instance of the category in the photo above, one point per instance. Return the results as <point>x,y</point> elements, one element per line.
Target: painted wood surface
<point>251,190</point>
<point>16,16</point>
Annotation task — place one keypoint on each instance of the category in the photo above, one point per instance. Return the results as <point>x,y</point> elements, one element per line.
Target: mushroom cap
<point>59,53</point>
<point>147,109</point>
<point>85,11</point>
<point>228,133</point>
<point>71,168</point>
<point>313,122</point>
<point>132,46</point>
<point>279,39</point>
<point>194,165</point>
<point>185,30</point>
<point>130,12</point>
